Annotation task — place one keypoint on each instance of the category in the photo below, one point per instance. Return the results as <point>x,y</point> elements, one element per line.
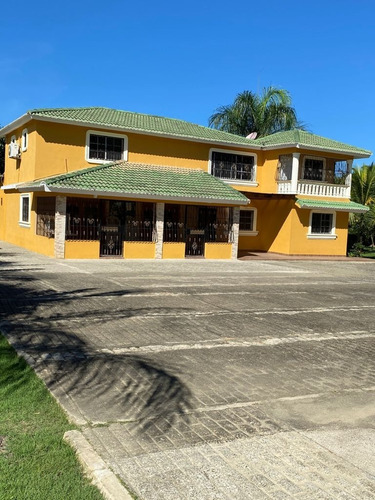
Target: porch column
<point>159,230</point>
<point>295,170</point>
<point>349,169</point>
<point>60,224</point>
<point>235,232</point>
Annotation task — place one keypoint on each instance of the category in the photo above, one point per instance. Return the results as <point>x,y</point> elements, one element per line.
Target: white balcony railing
<point>312,188</point>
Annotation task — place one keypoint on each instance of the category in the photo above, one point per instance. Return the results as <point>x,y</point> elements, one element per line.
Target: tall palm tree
<point>363,191</point>
<point>264,114</point>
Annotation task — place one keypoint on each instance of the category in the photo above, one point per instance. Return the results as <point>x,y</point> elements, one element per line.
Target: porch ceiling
<point>136,180</point>
<point>340,206</point>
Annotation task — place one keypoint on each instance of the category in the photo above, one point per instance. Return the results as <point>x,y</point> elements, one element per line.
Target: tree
<point>264,114</point>
<point>363,191</point>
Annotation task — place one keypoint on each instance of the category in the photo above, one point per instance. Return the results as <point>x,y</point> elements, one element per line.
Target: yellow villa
<point>98,183</point>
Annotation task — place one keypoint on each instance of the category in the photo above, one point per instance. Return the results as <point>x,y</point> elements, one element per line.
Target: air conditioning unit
<point>14,150</point>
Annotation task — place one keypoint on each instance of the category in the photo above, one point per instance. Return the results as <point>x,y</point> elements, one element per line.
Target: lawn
<point>35,462</point>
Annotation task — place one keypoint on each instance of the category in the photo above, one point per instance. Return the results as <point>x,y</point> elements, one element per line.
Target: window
<point>233,166</point>
<point>313,168</point>
<point>285,168</point>
<point>25,210</point>
<point>322,225</point>
<point>102,148</point>
<point>25,139</point>
<point>248,221</point>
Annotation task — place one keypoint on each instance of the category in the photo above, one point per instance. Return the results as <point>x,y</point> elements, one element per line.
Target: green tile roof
<point>309,140</point>
<point>138,122</point>
<point>341,206</point>
<point>133,180</point>
<point>119,120</point>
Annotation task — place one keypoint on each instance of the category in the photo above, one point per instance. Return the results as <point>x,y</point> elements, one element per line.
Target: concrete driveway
<point>206,379</point>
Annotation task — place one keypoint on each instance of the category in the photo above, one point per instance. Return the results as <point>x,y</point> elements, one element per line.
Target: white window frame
<point>254,232</point>
<point>22,222</point>
<point>105,134</point>
<point>322,236</point>
<point>234,181</point>
<point>13,140</point>
<point>314,158</point>
<point>24,139</point>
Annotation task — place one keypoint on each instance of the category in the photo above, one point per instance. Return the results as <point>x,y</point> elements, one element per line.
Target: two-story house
<point>98,182</point>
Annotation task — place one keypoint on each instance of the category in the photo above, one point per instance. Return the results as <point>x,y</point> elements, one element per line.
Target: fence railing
<point>137,230</point>
<point>218,232</point>
<point>174,232</point>
<point>82,228</point>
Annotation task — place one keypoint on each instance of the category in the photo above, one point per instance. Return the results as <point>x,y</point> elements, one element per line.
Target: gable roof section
<point>302,139</point>
<point>339,206</point>
<point>136,180</point>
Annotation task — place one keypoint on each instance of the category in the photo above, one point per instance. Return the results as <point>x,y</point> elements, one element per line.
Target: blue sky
<point>183,60</point>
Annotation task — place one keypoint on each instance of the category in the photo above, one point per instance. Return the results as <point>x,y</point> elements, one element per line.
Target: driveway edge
<point>103,478</point>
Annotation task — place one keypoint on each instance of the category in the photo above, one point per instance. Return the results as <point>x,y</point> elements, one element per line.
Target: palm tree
<point>363,191</point>
<point>363,184</point>
<point>264,114</point>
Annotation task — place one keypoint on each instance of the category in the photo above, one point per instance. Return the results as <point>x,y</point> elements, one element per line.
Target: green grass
<point>35,462</point>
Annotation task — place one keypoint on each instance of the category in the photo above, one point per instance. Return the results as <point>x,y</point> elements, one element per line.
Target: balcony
<point>315,181</point>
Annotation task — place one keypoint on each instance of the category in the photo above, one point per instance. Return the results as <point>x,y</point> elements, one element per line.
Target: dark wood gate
<point>195,243</point>
<point>111,241</point>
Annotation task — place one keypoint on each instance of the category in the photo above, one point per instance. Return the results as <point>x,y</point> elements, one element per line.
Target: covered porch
<point>169,213</point>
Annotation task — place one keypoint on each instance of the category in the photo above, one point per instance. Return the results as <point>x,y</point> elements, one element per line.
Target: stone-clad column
<point>159,230</point>
<point>60,224</point>
<point>235,232</point>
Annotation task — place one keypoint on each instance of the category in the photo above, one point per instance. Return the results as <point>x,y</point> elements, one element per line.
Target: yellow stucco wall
<point>173,250</point>
<point>139,250</point>
<point>81,249</point>
<point>301,244</point>
<point>218,250</point>
<point>21,170</point>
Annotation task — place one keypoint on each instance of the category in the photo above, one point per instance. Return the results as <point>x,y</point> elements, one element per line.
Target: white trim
<point>238,182</point>
<point>22,120</point>
<point>104,134</point>
<point>352,154</point>
<point>24,139</point>
<point>20,221</point>
<point>322,236</point>
<point>245,232</point>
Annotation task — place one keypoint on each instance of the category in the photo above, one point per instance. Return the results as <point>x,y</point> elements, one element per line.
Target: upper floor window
<point>24,139</point>
<point>24,210</point>
<point>233,166</point>
<point>102,147</point>
<point>314,168</point>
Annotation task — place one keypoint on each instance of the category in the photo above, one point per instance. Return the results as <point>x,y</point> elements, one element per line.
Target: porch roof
<point>141,181</point>
<point>340,206</point>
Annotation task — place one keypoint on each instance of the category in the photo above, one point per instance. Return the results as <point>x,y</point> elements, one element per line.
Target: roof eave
<point>297,145</point>
<point>128,195</point>
<point>15,124</point>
